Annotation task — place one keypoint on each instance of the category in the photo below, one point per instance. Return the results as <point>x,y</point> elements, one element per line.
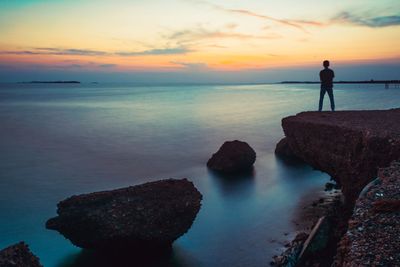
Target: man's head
<point>326,63</point>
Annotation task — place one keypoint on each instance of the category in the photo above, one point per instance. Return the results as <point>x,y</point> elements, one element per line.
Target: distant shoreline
<point>351,82</point>
<point>52,82</point>
<point>387,82</point>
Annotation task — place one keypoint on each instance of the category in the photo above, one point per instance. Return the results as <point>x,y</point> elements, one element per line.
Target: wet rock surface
<point>233,156</point>
<point>373,235</point>
<point>146,216</point>
<point>348,145</point>
<point>18,255</point>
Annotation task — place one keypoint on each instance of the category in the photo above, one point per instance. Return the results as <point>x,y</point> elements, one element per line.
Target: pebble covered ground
<point>373,236</point>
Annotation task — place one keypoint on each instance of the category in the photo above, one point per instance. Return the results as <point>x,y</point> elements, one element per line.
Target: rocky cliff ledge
<point>353,147</point>
<point>348,145</point>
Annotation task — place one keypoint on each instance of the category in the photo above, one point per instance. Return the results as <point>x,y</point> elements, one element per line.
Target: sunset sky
<point>198,40</point>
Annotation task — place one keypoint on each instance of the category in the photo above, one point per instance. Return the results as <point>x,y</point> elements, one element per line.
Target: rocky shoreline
<point>352,147</point>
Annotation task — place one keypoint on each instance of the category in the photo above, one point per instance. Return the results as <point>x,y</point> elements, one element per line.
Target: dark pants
<point>329,90</point>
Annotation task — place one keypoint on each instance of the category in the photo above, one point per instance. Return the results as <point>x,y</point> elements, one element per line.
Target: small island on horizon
<point>52,82</point>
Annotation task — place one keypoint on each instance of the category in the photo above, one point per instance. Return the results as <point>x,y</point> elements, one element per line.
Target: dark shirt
<point>326,76</point>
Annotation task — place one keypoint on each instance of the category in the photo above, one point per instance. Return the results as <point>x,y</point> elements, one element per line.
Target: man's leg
<point>330,93</point>
<point>321,98</point>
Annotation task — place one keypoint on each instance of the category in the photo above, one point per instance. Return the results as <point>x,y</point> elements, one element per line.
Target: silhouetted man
<point>326,76</point>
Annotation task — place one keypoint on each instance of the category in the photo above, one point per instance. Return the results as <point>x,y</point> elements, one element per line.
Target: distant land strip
<point>370,81</point>
<point>52,82</point>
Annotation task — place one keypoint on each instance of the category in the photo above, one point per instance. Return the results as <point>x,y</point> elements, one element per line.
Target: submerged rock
<point>290,257</point>
<point>18,255</point>
<point>233,156</point>
<point>147,216</point>
<point>317,241</point>
<point>331,186</point>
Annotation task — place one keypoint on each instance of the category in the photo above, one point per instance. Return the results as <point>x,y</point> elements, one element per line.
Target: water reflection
<point>290,161</point>
<point>238,184</point>
<point>173,257</point>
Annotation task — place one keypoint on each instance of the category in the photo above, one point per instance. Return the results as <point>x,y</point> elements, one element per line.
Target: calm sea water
<point>60,140</point>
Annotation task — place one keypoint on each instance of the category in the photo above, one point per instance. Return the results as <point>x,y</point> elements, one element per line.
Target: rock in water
<point>233,156</point>
<point>283,149</point>
<point>147,216</point>
<point>18,255</point>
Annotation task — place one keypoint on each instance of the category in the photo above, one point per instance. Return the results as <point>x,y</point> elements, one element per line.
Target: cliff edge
<point>355,147</point>
<point>348,145</point>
